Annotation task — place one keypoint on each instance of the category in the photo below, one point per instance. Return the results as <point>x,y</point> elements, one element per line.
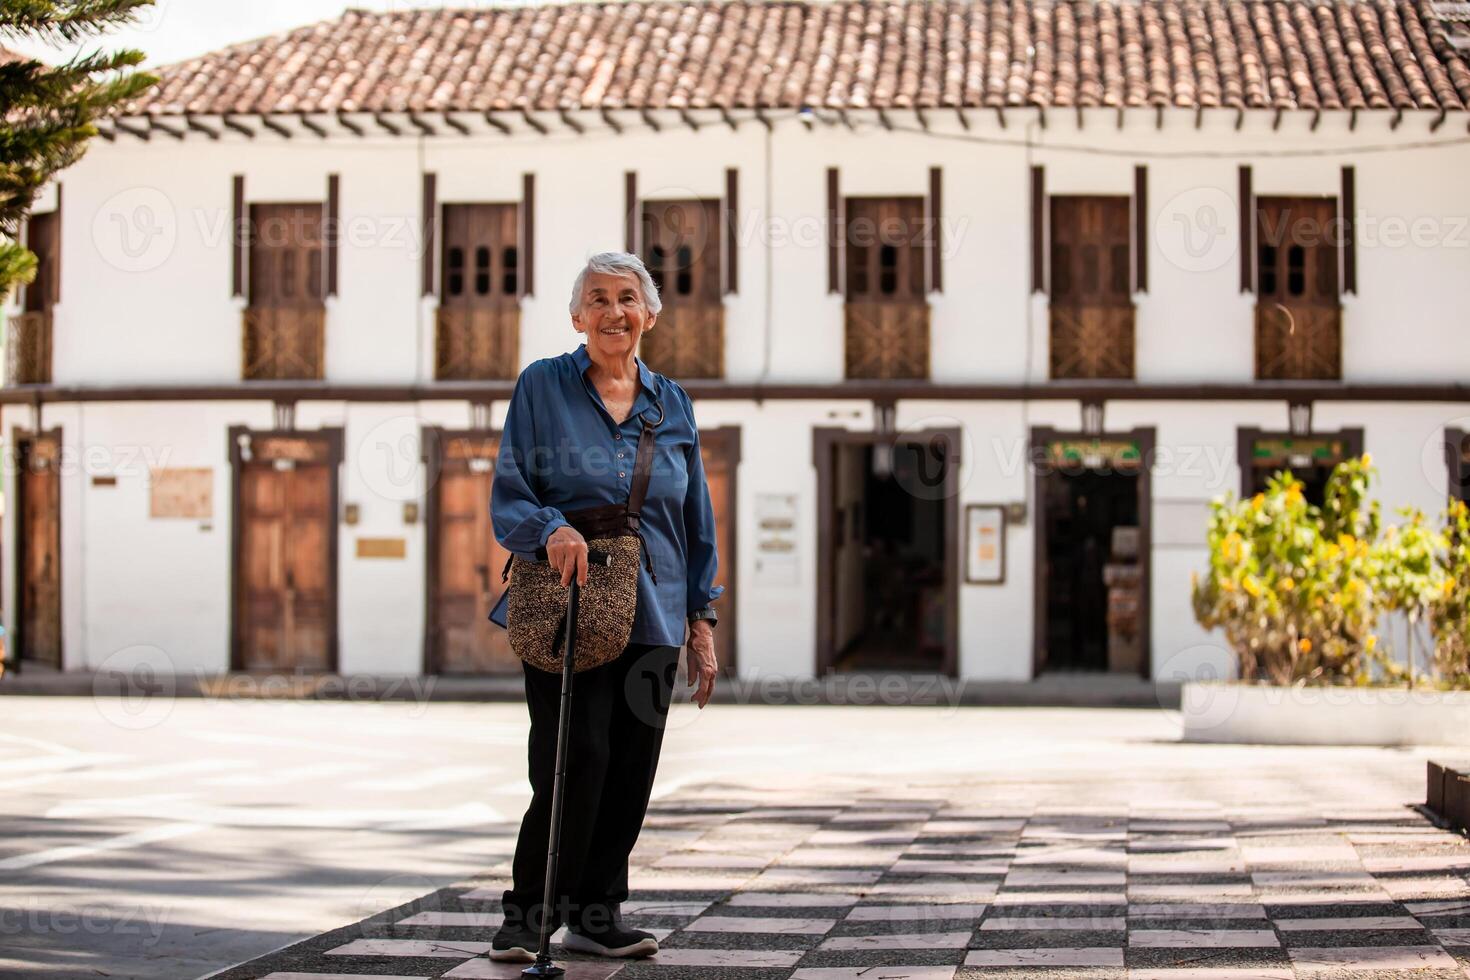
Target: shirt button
<point>617,435</point>
<point>621,473</point>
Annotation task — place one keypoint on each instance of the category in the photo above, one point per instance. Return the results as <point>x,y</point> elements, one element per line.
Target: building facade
<point>980,304</point>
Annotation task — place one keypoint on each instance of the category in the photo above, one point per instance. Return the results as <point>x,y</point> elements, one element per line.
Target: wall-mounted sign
<point>1094,454</point>
<point>775,538</point>
<point>382,547</point>
<point>985,544</point>
<point>181,492</point>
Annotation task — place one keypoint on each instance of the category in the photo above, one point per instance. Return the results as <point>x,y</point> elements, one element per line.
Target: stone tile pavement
<point>943,879</point>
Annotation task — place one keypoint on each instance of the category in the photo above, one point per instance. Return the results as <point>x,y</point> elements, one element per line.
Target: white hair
<point>617,264</point>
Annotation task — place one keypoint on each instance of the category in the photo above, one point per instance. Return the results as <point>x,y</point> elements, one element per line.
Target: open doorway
<point>1092,552</point>
<point>888,575</point>
<point>1310,458</point>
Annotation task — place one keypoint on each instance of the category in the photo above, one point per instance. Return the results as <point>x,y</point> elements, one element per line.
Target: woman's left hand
<point>702,667</point>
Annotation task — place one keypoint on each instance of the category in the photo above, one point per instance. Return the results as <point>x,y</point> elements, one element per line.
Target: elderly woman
<point>571,432</point>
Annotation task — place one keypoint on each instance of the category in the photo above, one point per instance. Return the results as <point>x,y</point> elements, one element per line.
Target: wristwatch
<point>705,613</point>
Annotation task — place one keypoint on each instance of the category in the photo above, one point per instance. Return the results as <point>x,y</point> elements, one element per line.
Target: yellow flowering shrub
<point>1298,590</point>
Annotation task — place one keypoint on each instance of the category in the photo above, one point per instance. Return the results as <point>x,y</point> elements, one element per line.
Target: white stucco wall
<point>146,299</point>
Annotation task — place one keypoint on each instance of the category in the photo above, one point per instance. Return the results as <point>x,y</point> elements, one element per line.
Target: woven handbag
<point>537,606</point>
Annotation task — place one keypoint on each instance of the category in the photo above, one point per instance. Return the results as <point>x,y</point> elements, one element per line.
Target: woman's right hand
<point>566,549</point>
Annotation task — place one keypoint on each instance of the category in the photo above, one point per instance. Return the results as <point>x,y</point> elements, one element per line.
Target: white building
<point>912,253</point>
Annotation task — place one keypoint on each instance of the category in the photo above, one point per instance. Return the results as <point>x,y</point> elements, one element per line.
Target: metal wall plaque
<point>181,492</point>
<point>382,547</point>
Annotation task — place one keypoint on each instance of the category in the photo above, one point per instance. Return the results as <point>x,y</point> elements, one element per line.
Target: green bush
<point>1299,590</point>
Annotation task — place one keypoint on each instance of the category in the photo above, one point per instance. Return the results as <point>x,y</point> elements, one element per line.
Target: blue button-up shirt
<point>561,450</point>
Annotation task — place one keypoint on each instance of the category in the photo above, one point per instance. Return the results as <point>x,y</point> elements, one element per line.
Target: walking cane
<point>543,967</point>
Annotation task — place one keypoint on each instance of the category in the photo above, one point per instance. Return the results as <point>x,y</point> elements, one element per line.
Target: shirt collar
<point>650,390</point>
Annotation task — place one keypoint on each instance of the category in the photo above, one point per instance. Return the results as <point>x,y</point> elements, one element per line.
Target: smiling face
<point>613,315</point>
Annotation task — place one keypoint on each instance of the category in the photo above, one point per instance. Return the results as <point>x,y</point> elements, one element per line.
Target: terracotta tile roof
<point>1327,54</point>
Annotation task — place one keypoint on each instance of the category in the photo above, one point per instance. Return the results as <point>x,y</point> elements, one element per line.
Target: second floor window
<point>1091,287</point>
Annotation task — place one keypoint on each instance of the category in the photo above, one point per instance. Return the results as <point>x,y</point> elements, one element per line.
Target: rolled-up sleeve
<point>699,532</point>
<point>522,524</point>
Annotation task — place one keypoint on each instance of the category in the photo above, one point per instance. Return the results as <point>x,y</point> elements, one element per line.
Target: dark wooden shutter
<point>1140,229</point>
<point>1347,234</point>
<point>528,234</point>
<point>630,212</point>
<point>1038,230</point>
<point>239,236</point>
<point>834,233</point>
<point>934,238</point>
<point>1247,230</point>
<point>331,232</point>
<point>732,225</point>
<point>428,212</point>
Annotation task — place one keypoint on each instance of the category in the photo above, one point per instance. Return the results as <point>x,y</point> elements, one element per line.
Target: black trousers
<point>616,731</point>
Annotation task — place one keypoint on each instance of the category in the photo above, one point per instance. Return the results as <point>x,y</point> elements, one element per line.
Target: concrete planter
<point>1227,711</point>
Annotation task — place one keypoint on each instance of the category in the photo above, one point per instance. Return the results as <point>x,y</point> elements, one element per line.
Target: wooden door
<point>885,249</point>
<point>1091,287</point>
<point>886,314</point>
<point>720,451</point>
<point>480,289</point>
<point>39,557</point>
<point>285,616</point>
<point>1299,307</point>
<point>681,248</point>
<point>285,323</point>
<point>466,562</point>
<point>43,236</point>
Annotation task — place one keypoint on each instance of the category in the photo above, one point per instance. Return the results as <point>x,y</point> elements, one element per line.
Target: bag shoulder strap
<point>642,466</point>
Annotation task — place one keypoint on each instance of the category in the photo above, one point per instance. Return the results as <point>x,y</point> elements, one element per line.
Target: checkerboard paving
<point>951,883</point>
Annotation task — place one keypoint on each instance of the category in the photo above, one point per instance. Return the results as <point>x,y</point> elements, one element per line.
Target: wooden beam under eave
<point>534,123</point>
<point>612,123</point>
<point>177,134</point>
<point>765,121</point>
<point>237,126</point>
<point>199,127</point>
<point>959,112</point>
<point>378,118</point>
<point>649,121</point>
<point>311,125</point>
<point>730,120</point>
<point>570,123</point>
<point>496,124</point>
<point>123,127</point>
<point>275,127</point>
<point>923,119</point>
<point>883,118</point>
<point>455,124</point>
<point>349,125</point>
<point>421,125</point>
<point>689,120</point>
